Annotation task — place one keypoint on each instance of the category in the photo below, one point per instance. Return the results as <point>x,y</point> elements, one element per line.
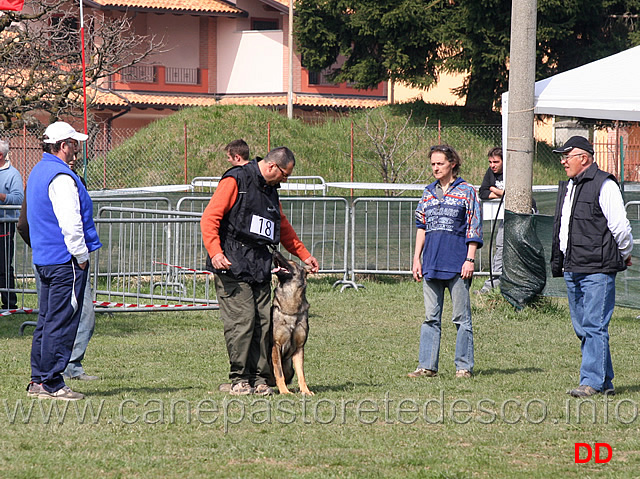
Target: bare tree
<point>40,57</point>
<point>394,148</point>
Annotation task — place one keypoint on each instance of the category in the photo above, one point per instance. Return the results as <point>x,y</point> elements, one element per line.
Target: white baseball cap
<point>60,130</point>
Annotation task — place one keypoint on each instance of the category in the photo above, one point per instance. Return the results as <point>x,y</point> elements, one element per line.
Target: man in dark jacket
<point>591,242</point>
<point>492,188</point>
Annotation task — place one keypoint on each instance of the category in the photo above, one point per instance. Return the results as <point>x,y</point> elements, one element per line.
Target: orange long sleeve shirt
<point>221,202</point>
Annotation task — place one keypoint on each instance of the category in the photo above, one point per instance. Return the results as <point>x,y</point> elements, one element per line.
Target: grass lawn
<point>151,414</point>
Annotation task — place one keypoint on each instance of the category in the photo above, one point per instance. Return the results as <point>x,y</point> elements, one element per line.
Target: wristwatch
<point>470,260</point>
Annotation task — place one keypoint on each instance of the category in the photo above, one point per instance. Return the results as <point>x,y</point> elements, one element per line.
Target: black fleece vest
<point>251,226</point>
<point>591,247</point>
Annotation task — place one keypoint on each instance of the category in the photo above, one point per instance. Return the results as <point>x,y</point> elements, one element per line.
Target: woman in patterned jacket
<point>449,231</point>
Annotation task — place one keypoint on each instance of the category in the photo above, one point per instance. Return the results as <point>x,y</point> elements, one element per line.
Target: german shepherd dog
<point>290,322</point>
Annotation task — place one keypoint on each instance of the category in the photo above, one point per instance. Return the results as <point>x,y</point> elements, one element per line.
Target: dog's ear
<point>307,269</point>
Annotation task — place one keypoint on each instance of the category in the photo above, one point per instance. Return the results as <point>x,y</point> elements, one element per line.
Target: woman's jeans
<point>431,327</point>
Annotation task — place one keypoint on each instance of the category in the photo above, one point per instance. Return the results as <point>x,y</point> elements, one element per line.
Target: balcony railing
<point>149,74</point>
<point>139,74</point>
<point>182,76</point>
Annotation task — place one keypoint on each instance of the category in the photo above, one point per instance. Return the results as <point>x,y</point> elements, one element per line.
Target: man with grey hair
<point>11,188</point>
<point>592,242</point>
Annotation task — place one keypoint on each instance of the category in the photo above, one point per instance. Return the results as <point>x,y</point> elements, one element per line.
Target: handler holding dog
<point>244,218</point>
<point>449,225</point>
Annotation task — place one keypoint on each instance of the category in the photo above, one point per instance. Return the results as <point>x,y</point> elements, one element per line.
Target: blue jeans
<point>591,301</point>
<point>86,328</point>
<point>431,327</point>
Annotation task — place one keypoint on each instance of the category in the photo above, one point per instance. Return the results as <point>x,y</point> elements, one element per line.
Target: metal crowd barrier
<point>320,222</point>
<point>153,255</point>
<point>141,264</point>
<point>295,185</point>
<point>383,237</point>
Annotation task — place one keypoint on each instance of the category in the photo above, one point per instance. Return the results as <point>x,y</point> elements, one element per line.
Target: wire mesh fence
<point>124,158</point>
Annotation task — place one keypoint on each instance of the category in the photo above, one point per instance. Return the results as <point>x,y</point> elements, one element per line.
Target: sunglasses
<point>284,174</point>
<point>442,148</point>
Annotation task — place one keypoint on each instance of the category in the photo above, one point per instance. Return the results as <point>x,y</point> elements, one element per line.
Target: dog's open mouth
<point>281,270</point>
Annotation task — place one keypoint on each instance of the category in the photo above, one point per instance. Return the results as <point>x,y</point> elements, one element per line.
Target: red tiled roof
<point>210,6</point>
<point>110,100</point>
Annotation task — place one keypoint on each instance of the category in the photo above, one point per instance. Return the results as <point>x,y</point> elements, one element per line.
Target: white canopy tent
<point>607,89</point>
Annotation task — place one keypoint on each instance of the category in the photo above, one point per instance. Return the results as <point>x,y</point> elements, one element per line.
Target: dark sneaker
<point>463,373</point>
<point>64,394</point>
<point>422,373</point>
<point>263,390</point>
<point>84,377</point>
<point>33,389</point>
<point>241,389</point>
<point>583,391</point>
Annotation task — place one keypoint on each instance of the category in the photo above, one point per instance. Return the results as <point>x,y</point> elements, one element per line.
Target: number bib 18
<point>262,226</point>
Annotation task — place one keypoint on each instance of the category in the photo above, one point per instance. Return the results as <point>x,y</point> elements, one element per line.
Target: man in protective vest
<point>60,218</point>
<point>591,242</point>
<point>243,219</point>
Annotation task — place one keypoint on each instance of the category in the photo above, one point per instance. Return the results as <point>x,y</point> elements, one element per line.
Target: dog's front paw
<point>306,392</point>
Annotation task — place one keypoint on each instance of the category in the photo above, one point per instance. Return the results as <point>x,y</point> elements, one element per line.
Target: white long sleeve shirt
<point>612,206</point>
<point>63,193</point>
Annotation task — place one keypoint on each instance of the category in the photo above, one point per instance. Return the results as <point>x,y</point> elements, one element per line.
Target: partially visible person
<point>87,323</point>
<point>242,221</point>
<point>592,242</point>
<point>10,194</point>
<point>492,187</point>
<point>237,152</point>
<point>449,231</point>
<point>62,233</point>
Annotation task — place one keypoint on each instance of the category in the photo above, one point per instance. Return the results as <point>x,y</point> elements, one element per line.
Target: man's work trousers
<point>245,310</point>
<point>60,304</point>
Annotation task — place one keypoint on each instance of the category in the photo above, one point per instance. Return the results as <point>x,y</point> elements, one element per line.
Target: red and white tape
<point>14,311</point>
<point>183,267</point>
<point>110,304</point>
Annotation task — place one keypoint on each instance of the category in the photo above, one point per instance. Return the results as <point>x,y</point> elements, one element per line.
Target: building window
<point>321,77</point>
<point>265,24</point>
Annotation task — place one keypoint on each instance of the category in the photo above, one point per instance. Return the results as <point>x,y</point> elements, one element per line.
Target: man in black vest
<point>242,221</point>
<point>591,242</point>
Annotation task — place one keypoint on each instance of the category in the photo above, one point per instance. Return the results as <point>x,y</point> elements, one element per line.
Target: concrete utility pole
<point>522,74</point>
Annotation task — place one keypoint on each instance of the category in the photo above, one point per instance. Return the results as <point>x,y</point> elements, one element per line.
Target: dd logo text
<point>581,458</point>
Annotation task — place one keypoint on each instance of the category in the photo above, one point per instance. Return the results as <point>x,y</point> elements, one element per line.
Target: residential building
<point>216,52</point>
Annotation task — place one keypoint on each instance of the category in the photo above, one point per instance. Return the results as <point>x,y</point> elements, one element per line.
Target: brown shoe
<point>422,373</point>
<point>463,373</point>
<point>583,391</point>
<point>64,394</point>
<point>241,389</point>
<point>263,390</point>
<point>225,388</point>
<point>34,389</point>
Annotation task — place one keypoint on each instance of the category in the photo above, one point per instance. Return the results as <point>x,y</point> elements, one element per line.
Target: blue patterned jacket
<point>449,226</point>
